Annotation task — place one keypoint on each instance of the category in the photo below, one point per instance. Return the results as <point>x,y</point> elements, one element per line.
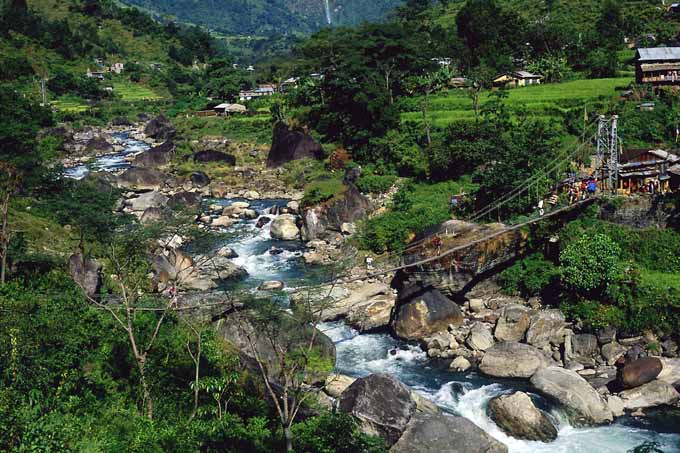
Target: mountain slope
<point>268,17</point>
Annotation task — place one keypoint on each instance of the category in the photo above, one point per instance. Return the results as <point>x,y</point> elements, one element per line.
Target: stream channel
<point>362,354</point>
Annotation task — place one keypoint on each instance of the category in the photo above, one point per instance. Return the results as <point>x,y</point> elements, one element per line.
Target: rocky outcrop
<point>382,405</point>
<point>513,360</point>
<point>480,337</point>
<point>348,207</point>
<point>584,349</point>
<point>214,156</point>
<point>420,312</point>
<point>199,179</point>
<point>582,402</point>
<point>292,144</point>
<point>652,394</point>
<point>517,415</point>
<point>513,323</point>
<point>285,228</point>
<point>428,433</point>
<point>86,273</point>
<point>137,178</point>
<point>155,157</point>
<point>160,129</point>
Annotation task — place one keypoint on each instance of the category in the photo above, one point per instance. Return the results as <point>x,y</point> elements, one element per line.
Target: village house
<point>639,167</point>
<point>117,68</point>
<point>260,91</point>
<point>658,66</point>
<point>95,74</point>
<point>226,109</point>
<point>156,66</point>
<point>516,79</point>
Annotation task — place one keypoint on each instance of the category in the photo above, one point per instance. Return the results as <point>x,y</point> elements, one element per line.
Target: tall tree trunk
<point>4,238</point>
<point>289,438</point>
<point>146,392</point>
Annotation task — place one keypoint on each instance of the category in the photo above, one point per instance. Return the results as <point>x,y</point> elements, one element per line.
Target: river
<point>362,354</point>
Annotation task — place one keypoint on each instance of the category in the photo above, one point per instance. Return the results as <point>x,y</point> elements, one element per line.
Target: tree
<point>21,160</point>
<point>88,209</point>
<point>428,84</point>
<point>290,352</point>
<point>590,265</point>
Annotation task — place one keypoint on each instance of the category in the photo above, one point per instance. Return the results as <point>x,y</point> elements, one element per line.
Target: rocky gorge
<point>543,379</point>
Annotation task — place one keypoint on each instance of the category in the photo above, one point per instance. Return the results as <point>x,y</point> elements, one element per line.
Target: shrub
<point>334,433</point>
<point>529,277</point>
<point>590,265</point>
<point>322,190</point>
<point>376,183</point>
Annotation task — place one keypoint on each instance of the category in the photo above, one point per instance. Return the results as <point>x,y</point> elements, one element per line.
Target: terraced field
<point>548,101</point>
<point>131,92</point>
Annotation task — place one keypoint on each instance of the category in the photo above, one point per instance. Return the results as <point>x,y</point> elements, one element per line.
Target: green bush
<point>376,183</point>
<point>322,190</point>
<point>590,264</point>
<point>334,433</point>
<point>415,208</point>
<point>529,277</point>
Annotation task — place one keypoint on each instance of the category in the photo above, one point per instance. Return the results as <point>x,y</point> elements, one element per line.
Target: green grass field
<point>546,101</point>
<point>132,92</point>
<point>70,105</point>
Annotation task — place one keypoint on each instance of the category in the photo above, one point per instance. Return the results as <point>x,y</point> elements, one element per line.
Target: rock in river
<point>583,403</point>
<point>652,394</point>
<point>518,417</point>
<point>141,179</point>
<point>641,371</point>
<point>513,323</point>
<point>422,312</point>
<point>513,360</point>
<point>427,433</point>
<point>284,228</point>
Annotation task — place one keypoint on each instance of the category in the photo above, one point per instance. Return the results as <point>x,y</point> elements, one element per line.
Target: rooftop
<point>658,53</point>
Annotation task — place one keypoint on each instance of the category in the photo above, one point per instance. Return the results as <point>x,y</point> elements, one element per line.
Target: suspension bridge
<point>450,248</point>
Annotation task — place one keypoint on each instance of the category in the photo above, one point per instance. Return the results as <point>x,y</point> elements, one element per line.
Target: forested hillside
<point>268,17</point>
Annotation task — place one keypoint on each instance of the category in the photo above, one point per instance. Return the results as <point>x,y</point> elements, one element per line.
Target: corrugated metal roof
<point>528,75</point>
<point>659,53</point>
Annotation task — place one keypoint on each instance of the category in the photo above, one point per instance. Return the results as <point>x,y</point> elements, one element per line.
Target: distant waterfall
<point>327,7</point>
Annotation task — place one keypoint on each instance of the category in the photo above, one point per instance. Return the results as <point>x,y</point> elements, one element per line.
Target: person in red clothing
<point>437,242</point>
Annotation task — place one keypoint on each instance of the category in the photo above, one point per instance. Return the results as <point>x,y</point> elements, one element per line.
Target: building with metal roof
<point>658,65</point>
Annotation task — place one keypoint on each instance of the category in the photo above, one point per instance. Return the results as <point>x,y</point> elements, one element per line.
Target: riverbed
<point>361,354</point>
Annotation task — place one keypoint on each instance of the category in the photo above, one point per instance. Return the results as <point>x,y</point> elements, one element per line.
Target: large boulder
<point>189,201</point>
<point>86,273</point>
<point>137,178</point>
<point>513,323</point>
<point>517,415</point>
<point>612,351</point>
<point>513,360</point>
<point>365,308</point>
<point>98,145</point>
<point>292,144</point>
<point>547,326</point>
<point>285,228</point>
<point>214,156</point>
<point>160,129</point>
<point>349,206</point>
<point>582,402</point>
<point>422,312</point>
<point>147,200</point>
<point>480,337</point>
<point>382,405</point>
<point>199,179</point>
<point>652,394</point>
<point>157,156</point>
<point>428,433</point>
<point>640,372</point>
